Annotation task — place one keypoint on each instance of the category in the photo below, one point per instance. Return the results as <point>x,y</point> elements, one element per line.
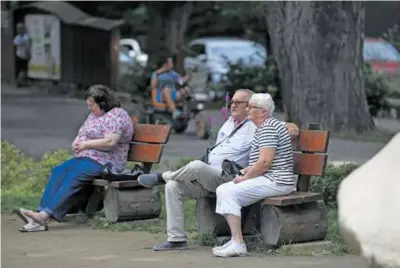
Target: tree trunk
<point>168,23</point>
<point>318,50</point>
<point>176,25</point>
<point>155,36</point>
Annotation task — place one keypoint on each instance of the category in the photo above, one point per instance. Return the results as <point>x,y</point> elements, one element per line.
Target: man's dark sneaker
<point>150,180</point>
<point>171,246</point>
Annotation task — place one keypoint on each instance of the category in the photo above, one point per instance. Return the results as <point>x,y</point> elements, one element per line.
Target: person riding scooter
<point>166,86</point>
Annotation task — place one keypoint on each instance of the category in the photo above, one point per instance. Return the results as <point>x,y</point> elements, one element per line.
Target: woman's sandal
<point>32,227</point>
<point>30,214</point>
<point>20,212</point>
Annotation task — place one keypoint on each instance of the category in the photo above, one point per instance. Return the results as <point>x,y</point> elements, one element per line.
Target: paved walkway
<point>69,245</point>
<point>36,123</point>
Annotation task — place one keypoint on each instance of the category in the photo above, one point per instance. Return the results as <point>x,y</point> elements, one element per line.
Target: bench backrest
<point>310,155</point>
<point>148,143</point>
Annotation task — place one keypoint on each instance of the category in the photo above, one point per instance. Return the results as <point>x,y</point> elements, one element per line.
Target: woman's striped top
<point>273,134</point>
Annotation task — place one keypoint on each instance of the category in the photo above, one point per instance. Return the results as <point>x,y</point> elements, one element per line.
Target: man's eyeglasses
<point>237,102</point>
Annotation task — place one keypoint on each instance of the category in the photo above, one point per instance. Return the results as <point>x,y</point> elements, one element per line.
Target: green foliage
<point>15,167</point>
<point>22,178</point>
<point>256,78</point>
<point>329,183</point>
<point>219,18</point>
<point>378,88</point>
<point>393,36</point>
<point>137,80</point>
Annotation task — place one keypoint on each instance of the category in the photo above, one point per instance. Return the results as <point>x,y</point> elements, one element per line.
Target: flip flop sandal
<point>20,212</point>
<point>32,227</point>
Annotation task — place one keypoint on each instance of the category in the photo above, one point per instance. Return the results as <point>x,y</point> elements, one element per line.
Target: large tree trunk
<point>318,50</point>
<point>168,23</point>
<point>176,26</point>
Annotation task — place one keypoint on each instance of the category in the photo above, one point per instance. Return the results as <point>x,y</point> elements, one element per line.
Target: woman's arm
<point>105,144</point>
<point>268,142</point>
<point>115,127</point>
<point>261,166</point>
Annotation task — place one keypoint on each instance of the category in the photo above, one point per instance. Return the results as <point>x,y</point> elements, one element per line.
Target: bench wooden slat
<point>309,164</point>
<point>293,198</point>
<point>146,153</point>
<point>151,133</point>
<point>117,184</point>
<point>315,141</point>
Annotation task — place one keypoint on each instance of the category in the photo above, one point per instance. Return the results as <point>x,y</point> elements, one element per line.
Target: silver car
<point>213,53</point>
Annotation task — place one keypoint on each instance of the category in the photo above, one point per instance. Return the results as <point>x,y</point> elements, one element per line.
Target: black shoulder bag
<point>204,158</point>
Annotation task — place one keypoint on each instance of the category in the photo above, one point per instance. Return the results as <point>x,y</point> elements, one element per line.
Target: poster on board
<point>44,31</point>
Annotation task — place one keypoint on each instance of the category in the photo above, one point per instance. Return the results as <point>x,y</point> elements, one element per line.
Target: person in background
<point>166,86</point>
<point>22,43</point>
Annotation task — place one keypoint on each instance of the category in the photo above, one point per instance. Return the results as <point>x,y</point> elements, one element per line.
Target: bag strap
<point>229,136</point>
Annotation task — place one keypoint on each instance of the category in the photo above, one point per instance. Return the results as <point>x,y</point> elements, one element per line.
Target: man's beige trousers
<point>193,180</point>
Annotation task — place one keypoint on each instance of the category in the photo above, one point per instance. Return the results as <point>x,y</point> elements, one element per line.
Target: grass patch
<point>23,181</point>
<point>10,200</point>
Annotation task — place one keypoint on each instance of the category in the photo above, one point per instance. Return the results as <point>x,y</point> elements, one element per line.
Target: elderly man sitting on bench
<point>198,178</point>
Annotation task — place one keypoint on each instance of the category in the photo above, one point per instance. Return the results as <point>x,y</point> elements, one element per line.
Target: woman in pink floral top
<point>102,140</point>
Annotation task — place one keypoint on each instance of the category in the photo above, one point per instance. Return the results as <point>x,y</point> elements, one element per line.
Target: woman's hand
<point>239,179</point>
<point>244,171</point>
<point>79,146</point>
<point>73,144</point>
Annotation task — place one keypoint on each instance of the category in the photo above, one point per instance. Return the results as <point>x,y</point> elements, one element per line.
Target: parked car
<point>214,52</point>
<point>382,56</point>
<point>134,50</point>
<point>125,61</point>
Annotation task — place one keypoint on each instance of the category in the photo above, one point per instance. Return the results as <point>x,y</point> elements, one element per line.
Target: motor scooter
<point>190,110</point>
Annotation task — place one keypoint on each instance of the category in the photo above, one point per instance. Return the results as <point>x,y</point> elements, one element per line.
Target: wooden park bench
<point>298,217</point>
<point>127,200</point>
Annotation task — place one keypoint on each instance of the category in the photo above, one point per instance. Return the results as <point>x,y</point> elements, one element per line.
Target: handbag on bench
<point>230,169</point>
<point>125,175</point>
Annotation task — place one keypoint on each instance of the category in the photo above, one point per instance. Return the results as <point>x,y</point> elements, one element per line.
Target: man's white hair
<point>264,101</point>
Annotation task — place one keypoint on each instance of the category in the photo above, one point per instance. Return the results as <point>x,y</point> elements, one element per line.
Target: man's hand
<point>239,179</point>
<point>293,130</point>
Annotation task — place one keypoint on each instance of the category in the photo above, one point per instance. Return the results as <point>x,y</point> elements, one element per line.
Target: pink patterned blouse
<point>115,121</point>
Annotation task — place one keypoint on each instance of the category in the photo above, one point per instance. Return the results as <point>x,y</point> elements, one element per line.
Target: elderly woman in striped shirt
<point>270,172</point>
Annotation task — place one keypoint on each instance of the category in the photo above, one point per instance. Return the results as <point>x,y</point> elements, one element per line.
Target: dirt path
<point>68,245</point>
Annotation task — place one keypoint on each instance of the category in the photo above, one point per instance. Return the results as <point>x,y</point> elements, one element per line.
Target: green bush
<point>136,80</point>
<point>256,78</point>
<point>328,184</point>
<point>378,89</point>
<point>393,36</point>
<point>22,178</point>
